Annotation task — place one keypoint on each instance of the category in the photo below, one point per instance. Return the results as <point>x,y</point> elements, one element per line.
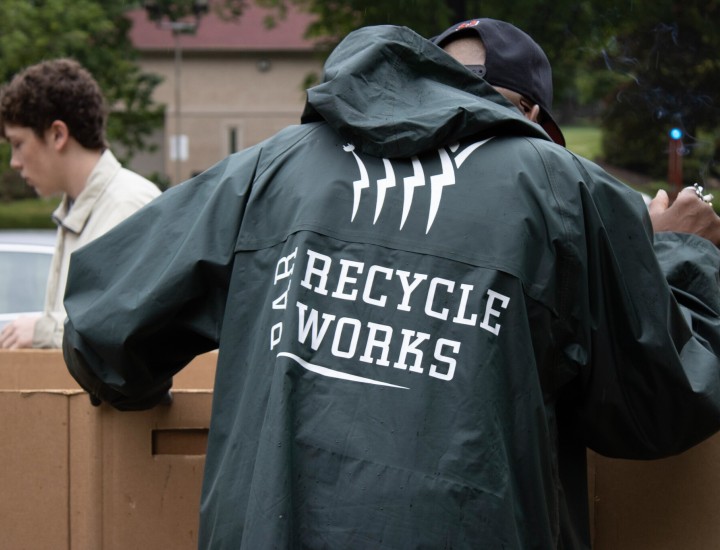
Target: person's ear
<point>531,112</point>
<point>58,134</point>
<point>534,113</point>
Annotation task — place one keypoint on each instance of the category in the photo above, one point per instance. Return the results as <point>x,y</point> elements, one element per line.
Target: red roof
<point>248,32</point>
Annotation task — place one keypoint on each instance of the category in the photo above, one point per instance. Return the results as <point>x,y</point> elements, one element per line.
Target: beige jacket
<point>112,193</point>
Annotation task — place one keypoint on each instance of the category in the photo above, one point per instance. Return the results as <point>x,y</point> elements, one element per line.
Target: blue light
<point>676,133</point>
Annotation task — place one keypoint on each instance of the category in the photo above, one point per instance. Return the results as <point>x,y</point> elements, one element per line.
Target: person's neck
<point>81,163</point>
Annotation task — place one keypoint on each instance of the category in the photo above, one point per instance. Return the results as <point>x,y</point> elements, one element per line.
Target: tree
<point>568,30</point>
<point>95,32</point>
<point>648,65</point>
<point>336,18</point>
<point>668,58</point>
<point>177,10</point>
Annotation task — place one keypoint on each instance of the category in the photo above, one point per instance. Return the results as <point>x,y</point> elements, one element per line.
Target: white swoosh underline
<point>324,371</point>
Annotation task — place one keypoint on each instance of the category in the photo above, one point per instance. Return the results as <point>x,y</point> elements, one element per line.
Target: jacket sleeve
<point>49,330</point>
<point>150,294</point>
<point>49,327</point>
<point>648,337</point>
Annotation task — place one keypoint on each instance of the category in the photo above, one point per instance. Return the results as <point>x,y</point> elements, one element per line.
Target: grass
<point>586,141</point>
<point>28,214</point>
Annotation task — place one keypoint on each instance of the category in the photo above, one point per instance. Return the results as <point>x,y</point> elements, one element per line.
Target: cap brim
<point>553,130</point>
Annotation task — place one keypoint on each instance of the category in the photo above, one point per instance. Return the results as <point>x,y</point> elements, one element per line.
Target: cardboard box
<point>45,369</point>
<point>152,464</point>
<point>80,477</point>
<point>34,473</point>
<point>667,504</point>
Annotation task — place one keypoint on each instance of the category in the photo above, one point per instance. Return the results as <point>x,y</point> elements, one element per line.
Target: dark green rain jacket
<point>425,310</point>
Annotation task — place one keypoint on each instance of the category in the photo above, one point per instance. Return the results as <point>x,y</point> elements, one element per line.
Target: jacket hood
<point>392,93</point>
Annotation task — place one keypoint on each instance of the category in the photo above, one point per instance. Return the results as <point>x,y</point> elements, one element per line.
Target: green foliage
<point>667,54</point>
<point>178,10</point>
<point>95,32</point>
<point>633,142</point>
<point>161,180</point>
<point>174,10</point>
<point>651,64</point>
<point>586,141</point>
<point>28,214</point>
<point>569,31</point>
<point>335,19</point>
<point>12,186</point>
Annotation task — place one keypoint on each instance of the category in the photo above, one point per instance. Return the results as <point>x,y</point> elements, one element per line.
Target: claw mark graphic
<point>360,184</point>
<point>411,182</point>
<point>468,151</point>
<point>437,183</point>
<point>383,185</point>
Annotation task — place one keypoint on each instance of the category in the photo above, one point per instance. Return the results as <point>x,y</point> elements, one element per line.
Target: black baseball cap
<point>514,61</point>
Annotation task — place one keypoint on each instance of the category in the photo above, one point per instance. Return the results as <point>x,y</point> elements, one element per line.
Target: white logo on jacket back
<point>377,316</point>
<point>418,179</point>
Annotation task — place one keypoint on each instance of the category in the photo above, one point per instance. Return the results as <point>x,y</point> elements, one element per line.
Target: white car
<point>25,257</point>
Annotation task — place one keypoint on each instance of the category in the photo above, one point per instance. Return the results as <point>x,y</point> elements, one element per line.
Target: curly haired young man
<point>54,115</point>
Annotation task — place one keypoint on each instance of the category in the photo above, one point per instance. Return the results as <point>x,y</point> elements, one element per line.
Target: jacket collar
<point>74,215</point>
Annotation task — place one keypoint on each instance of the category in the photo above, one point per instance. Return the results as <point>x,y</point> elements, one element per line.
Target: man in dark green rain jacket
<point>425,310</point>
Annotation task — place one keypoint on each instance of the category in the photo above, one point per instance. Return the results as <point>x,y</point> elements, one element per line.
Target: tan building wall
<point>227,102</point>
<point>240,81</point>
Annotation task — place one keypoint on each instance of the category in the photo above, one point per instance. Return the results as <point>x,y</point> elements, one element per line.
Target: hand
<point>19,333</point>
<point>688,214</point>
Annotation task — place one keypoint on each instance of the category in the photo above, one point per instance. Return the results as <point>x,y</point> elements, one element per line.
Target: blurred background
<point>191,81</point>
